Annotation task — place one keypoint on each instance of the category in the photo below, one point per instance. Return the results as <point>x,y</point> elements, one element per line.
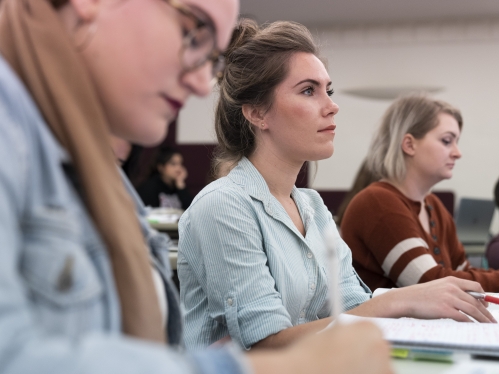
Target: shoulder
<point>220,195</point>
<point>20,119</point>
<point>15,100</point>
<point>378,197</point>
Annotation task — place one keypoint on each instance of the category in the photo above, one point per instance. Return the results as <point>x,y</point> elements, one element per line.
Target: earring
<point>263,125</point>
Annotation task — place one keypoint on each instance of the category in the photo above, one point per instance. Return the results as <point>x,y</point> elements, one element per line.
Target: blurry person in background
<point>166,187</point>
<point>399,232</point>
<point>84,282</point>
<point>492,251</point>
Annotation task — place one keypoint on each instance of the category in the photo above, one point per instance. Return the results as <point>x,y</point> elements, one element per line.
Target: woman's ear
<point>254,116</point>
<point>86,10</point>
<point>409,145</point>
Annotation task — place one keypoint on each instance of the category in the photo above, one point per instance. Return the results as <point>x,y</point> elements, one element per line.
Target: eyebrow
<point>451,133</point>
<point>312,81</point>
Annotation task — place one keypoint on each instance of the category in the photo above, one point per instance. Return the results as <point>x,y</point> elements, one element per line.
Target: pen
<point>334,274</point>
<point>484,296</point>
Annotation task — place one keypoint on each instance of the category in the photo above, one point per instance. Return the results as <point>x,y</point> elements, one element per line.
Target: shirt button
<point>432,223</point>
<point>312,286</point>
<point>302,314</point>
<point>434,237</point>
<point>436,250</point>
<point>429,207</point>
<point>229,301</point>
<point>310,255</point>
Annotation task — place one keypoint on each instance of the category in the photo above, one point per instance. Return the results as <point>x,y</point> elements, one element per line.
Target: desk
<point>165,220</point>
<point>476,255</point>
<point>170,228</point>
<point>161,226</point>
<point>173,255</point>
<point>474,249</point>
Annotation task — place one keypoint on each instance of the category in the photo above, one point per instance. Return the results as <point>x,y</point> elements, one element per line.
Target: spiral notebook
<point>437,335</point>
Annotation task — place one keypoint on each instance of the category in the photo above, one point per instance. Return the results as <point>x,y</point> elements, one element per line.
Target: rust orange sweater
<point>391,249</point>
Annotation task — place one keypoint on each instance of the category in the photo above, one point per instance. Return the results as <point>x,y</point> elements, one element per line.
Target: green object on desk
<point>422,355</point>
<point>399,353</point>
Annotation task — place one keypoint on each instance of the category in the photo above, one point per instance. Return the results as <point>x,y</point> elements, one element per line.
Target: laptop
<point>473,220</point>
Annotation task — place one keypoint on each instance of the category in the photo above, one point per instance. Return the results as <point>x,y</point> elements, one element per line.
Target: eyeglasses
<point>199,43</point>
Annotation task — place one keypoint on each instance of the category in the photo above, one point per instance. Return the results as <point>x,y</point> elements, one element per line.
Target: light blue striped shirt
<point>244,268</point>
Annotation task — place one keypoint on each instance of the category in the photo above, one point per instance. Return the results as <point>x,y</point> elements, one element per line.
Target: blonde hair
<point>414,114</point>
<point>257,61</point>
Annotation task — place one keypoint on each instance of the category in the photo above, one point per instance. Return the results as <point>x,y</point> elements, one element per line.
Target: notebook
<point>473,221</point>
<point>436,335</point>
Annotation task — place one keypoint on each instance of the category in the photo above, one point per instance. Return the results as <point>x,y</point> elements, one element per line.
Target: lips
<point>175,104</point>
<point>330,128</point>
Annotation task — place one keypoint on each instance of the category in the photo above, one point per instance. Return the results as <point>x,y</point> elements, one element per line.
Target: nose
<point>456,152</point>
<point>330,108</point>
<point>198,81</point>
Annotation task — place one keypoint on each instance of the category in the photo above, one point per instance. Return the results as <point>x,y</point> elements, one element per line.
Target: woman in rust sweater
<point>400,233</point>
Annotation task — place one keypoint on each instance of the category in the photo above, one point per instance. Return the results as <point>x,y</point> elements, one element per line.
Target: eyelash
<point>446,141</point>
<point>311,88</point>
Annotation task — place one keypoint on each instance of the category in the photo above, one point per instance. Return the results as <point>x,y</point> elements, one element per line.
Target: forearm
<point>290,335</point>
<point>388,305</point>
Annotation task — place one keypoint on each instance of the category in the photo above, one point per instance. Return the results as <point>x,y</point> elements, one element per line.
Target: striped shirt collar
<point>246,175</point>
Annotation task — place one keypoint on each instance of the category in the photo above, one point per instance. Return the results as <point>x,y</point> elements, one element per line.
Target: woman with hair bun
<point>252,264</point>
<point>399,232</point>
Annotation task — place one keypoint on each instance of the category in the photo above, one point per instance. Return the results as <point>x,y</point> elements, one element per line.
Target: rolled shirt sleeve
<point>224,276</point>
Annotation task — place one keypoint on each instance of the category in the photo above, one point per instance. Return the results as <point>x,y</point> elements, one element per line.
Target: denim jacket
<point>59,308</point>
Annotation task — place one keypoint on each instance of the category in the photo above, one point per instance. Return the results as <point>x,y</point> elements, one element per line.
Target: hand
<point>442,298</point>
<point>354,349</point>
<point>180,179</point>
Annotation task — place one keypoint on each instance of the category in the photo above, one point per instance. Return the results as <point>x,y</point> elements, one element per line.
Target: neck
<point>167,180</point>
<point>413,186</point>
<point>279,173</point>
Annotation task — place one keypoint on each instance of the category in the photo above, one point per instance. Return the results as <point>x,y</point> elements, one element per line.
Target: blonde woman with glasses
<point>84,282</point>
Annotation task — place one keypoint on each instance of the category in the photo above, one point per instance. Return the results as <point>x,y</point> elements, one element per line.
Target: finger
<point>473,310</point>
<point>479,304</point>
<point>484,303</point>
<point>456,315</point>
<point>467,285</point>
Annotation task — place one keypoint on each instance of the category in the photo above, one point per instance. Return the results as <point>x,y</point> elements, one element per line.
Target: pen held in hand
<point>484,296</point>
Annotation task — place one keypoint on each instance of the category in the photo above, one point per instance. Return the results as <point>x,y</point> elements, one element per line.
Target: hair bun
<point>245,30</point>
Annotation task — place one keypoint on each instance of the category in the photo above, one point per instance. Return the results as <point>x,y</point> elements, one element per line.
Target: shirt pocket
<point>63,285</point>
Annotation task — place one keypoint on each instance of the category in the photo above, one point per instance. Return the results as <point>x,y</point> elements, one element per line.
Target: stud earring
<point>263,124</point>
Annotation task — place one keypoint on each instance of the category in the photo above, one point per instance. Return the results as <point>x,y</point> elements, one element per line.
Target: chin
<point>323,154</point>
<point>150,136</point>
